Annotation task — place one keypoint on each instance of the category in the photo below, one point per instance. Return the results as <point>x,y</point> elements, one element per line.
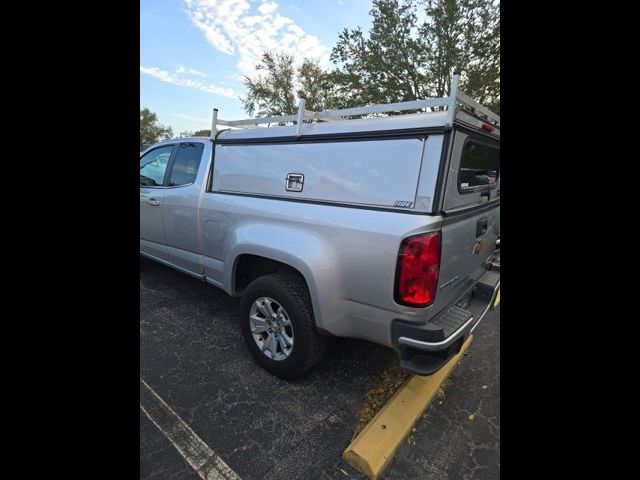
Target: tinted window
<point>185,167</point>
<point>154,165</point>
<point>479,165</point>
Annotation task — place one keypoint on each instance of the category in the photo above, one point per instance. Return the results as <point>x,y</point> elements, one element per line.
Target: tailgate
<point>468,242</point>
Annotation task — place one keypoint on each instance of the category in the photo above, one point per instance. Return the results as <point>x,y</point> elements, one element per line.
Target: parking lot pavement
<point>158,458</point>
<point>193,357</point>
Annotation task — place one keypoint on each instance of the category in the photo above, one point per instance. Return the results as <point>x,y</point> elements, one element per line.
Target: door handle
<point>153,202</point>
<point>481,226</point>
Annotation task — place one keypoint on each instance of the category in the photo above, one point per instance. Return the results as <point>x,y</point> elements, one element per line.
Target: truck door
<point>180,211</point>
<point>153,169</point>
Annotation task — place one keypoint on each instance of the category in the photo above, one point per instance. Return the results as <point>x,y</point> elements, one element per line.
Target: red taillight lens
<point>418,268</point>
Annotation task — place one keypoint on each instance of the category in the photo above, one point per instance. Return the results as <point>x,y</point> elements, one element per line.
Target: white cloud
<point>266,8</point>
<point>182,77</point>
<point>236,27</point>
<point>192,118</point>
<point>191,71</point>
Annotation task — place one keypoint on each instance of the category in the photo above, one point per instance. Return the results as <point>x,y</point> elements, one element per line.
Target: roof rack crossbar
<point>451,102</point>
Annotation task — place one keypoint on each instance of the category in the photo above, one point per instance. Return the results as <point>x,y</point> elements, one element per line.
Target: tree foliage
<point>411,51</point>
<point>464,34</point>
<point>279,84</point>
<point>202,133</point>
<point>151,131</point>
<point>403,58</point>
<point>388,64</point>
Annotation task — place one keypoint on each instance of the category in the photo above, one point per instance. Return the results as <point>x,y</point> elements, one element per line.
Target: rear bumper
<point>424,349</point>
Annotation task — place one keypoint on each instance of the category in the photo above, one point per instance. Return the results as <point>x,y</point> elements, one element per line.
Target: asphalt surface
<point>193,356</point>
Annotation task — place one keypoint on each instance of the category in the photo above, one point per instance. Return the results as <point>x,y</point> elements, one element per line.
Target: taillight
<point>417,270</point>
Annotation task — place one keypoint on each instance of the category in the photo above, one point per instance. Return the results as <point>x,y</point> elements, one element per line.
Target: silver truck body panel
<point>355,172</point>
<point>332,248</point>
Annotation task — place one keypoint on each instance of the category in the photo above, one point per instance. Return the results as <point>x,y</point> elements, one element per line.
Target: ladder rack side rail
<point>466,100</point>
<point>259,120</point>
<point>328,114</point>
<point>382,108</point>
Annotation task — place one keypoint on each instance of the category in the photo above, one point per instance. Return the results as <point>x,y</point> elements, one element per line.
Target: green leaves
<point>151,131</point>
<point>464,34</point>
<point>400,58</point>
<point>271,93</point>
<point>404,59</point>
<point>389,64</point>
<point>279,83</point>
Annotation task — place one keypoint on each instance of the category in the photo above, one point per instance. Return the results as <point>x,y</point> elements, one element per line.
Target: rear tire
<point>286,295</point>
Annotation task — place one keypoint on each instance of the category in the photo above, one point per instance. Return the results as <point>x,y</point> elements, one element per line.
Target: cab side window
<point>186,163</point>
<point>153,166</point>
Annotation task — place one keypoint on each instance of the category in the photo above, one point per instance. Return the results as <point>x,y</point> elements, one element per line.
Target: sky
<point>195,53</point>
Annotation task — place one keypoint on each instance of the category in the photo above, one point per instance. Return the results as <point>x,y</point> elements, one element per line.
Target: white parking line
<point>197,453</point>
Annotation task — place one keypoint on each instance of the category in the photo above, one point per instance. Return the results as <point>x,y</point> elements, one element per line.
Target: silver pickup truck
<point>377,228</point>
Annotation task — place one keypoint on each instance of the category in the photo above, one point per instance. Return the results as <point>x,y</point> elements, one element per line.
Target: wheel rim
<point>271,328</point>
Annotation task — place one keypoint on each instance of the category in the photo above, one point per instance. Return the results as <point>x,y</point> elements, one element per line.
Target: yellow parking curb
<point>375,446</point>
<point>496,302</point>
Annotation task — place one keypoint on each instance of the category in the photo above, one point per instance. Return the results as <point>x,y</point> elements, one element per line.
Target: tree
<point>387,66</point>
<point>279,83</point>
<point>202,133</point>
<point>151,131</point>
<point>464,34</point>
<point>404,59</point>
<point>401,58</point>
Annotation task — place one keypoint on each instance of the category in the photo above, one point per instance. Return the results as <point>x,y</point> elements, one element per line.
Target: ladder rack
<point>451,102</point>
